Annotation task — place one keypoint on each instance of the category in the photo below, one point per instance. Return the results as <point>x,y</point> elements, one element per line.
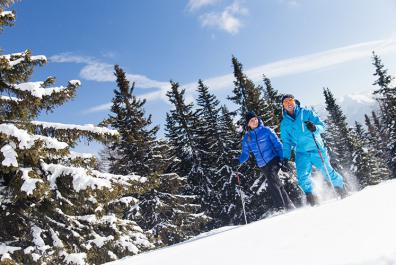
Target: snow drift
<point>360,229</point>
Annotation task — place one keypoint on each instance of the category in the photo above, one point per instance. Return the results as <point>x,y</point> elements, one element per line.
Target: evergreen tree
<point>7,18</point>
<point>169,215</point>
<point>137,149</point>
<point>247,95</point>
<point>180,125</point>
<point>376,146</point>
<point>274,102</point>
<point>182,130</point>
<point>208,131</point>
<point>367,167</point>
<point>210,146</point>
<point>55,205</point>
<point>160,210</point>
<point>386,98</point>
<point>338,136</point>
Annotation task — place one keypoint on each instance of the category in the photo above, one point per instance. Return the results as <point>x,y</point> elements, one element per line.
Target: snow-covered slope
<point>360,229</point>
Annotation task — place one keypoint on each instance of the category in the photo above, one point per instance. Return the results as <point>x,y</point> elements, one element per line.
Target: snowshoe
<point>341,192</point>
<point>311,199</point>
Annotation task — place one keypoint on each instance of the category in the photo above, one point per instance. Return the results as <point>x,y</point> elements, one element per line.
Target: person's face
<point>253,123</point>
<point>289,104</point>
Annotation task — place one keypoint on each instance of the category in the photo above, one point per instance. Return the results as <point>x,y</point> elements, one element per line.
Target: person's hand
<point>285,166</point>
<point>310,126</point>
<point>235,162</point>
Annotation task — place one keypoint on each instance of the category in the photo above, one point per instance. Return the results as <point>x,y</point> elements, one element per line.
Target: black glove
<point>235,162</point>
<point>285,166</point>
<point>310,126</point>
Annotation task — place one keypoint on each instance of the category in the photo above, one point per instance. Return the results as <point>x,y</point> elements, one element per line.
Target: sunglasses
<point>288,101</point>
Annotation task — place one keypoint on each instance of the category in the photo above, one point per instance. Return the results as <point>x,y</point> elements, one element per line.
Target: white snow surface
<point>360,229</point>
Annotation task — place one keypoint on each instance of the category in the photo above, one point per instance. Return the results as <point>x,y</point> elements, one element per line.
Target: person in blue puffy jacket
<point>267,150</point>
<point>299,129</point>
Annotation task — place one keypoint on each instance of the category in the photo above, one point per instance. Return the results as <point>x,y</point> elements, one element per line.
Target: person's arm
<point>286,142</point>
<point>276,143</point>
<point>245,151</point>
<point>319,124</point>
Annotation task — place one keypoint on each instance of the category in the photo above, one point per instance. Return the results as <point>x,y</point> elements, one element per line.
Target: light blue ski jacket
<point>295,134</point>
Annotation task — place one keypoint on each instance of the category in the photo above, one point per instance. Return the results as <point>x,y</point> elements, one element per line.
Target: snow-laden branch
<point>22,57</point>
<point>9,98</point>
<point>26,140</point>
<point>87,127</point>
<point>37,90</point>
<point>7,14</point>
<point>83,178</point>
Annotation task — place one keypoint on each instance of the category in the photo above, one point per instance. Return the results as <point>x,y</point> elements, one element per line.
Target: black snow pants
<point>275,187</point>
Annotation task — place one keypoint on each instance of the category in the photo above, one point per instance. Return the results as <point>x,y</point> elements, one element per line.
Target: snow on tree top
<point>87,127</point>
<point>7,14</point>
<point>75,82</point>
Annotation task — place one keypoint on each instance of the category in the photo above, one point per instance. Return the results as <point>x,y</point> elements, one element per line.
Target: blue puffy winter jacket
<point>263,143</point>
<point>295,134</point>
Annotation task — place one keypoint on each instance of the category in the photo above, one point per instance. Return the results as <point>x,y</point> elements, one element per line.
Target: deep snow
<point>360,229</point>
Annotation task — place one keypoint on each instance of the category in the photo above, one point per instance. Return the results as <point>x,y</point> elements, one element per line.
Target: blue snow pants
<point>304,163</point>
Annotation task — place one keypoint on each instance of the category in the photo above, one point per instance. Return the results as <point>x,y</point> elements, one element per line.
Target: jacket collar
<point>297,110</point>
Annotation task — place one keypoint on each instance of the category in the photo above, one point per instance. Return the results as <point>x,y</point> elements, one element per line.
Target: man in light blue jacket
<point>300,127</point>
<point>267,149</point>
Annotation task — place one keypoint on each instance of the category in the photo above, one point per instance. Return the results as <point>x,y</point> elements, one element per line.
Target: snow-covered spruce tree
<point>274,101</point>
<point>169,216</point>
<point>375,144</point>
<point>218,143</point>
<point>338,135</point>
<point>137,149</point>
<point>386,98</point>
<point>230,211</point>
<point>183,136</point>
<point>54,204</point>
<point>247,96</point>
<point>184,153</point>
<point>368,168</point>
<point>181,121</point>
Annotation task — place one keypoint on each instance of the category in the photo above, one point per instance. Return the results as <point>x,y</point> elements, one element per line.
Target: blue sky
<point>302,45</point>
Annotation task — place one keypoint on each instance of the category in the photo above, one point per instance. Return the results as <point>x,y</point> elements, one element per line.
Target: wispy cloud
<point>296,65</point>
<point>194,5</point>
<point>291,3</point>
<point>309,62</point>
<point>227,20</point>
<point>95,70</point>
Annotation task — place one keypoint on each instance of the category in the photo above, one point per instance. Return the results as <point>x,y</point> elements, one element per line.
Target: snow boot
<point>311,199</point>
<point>341,192</point>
